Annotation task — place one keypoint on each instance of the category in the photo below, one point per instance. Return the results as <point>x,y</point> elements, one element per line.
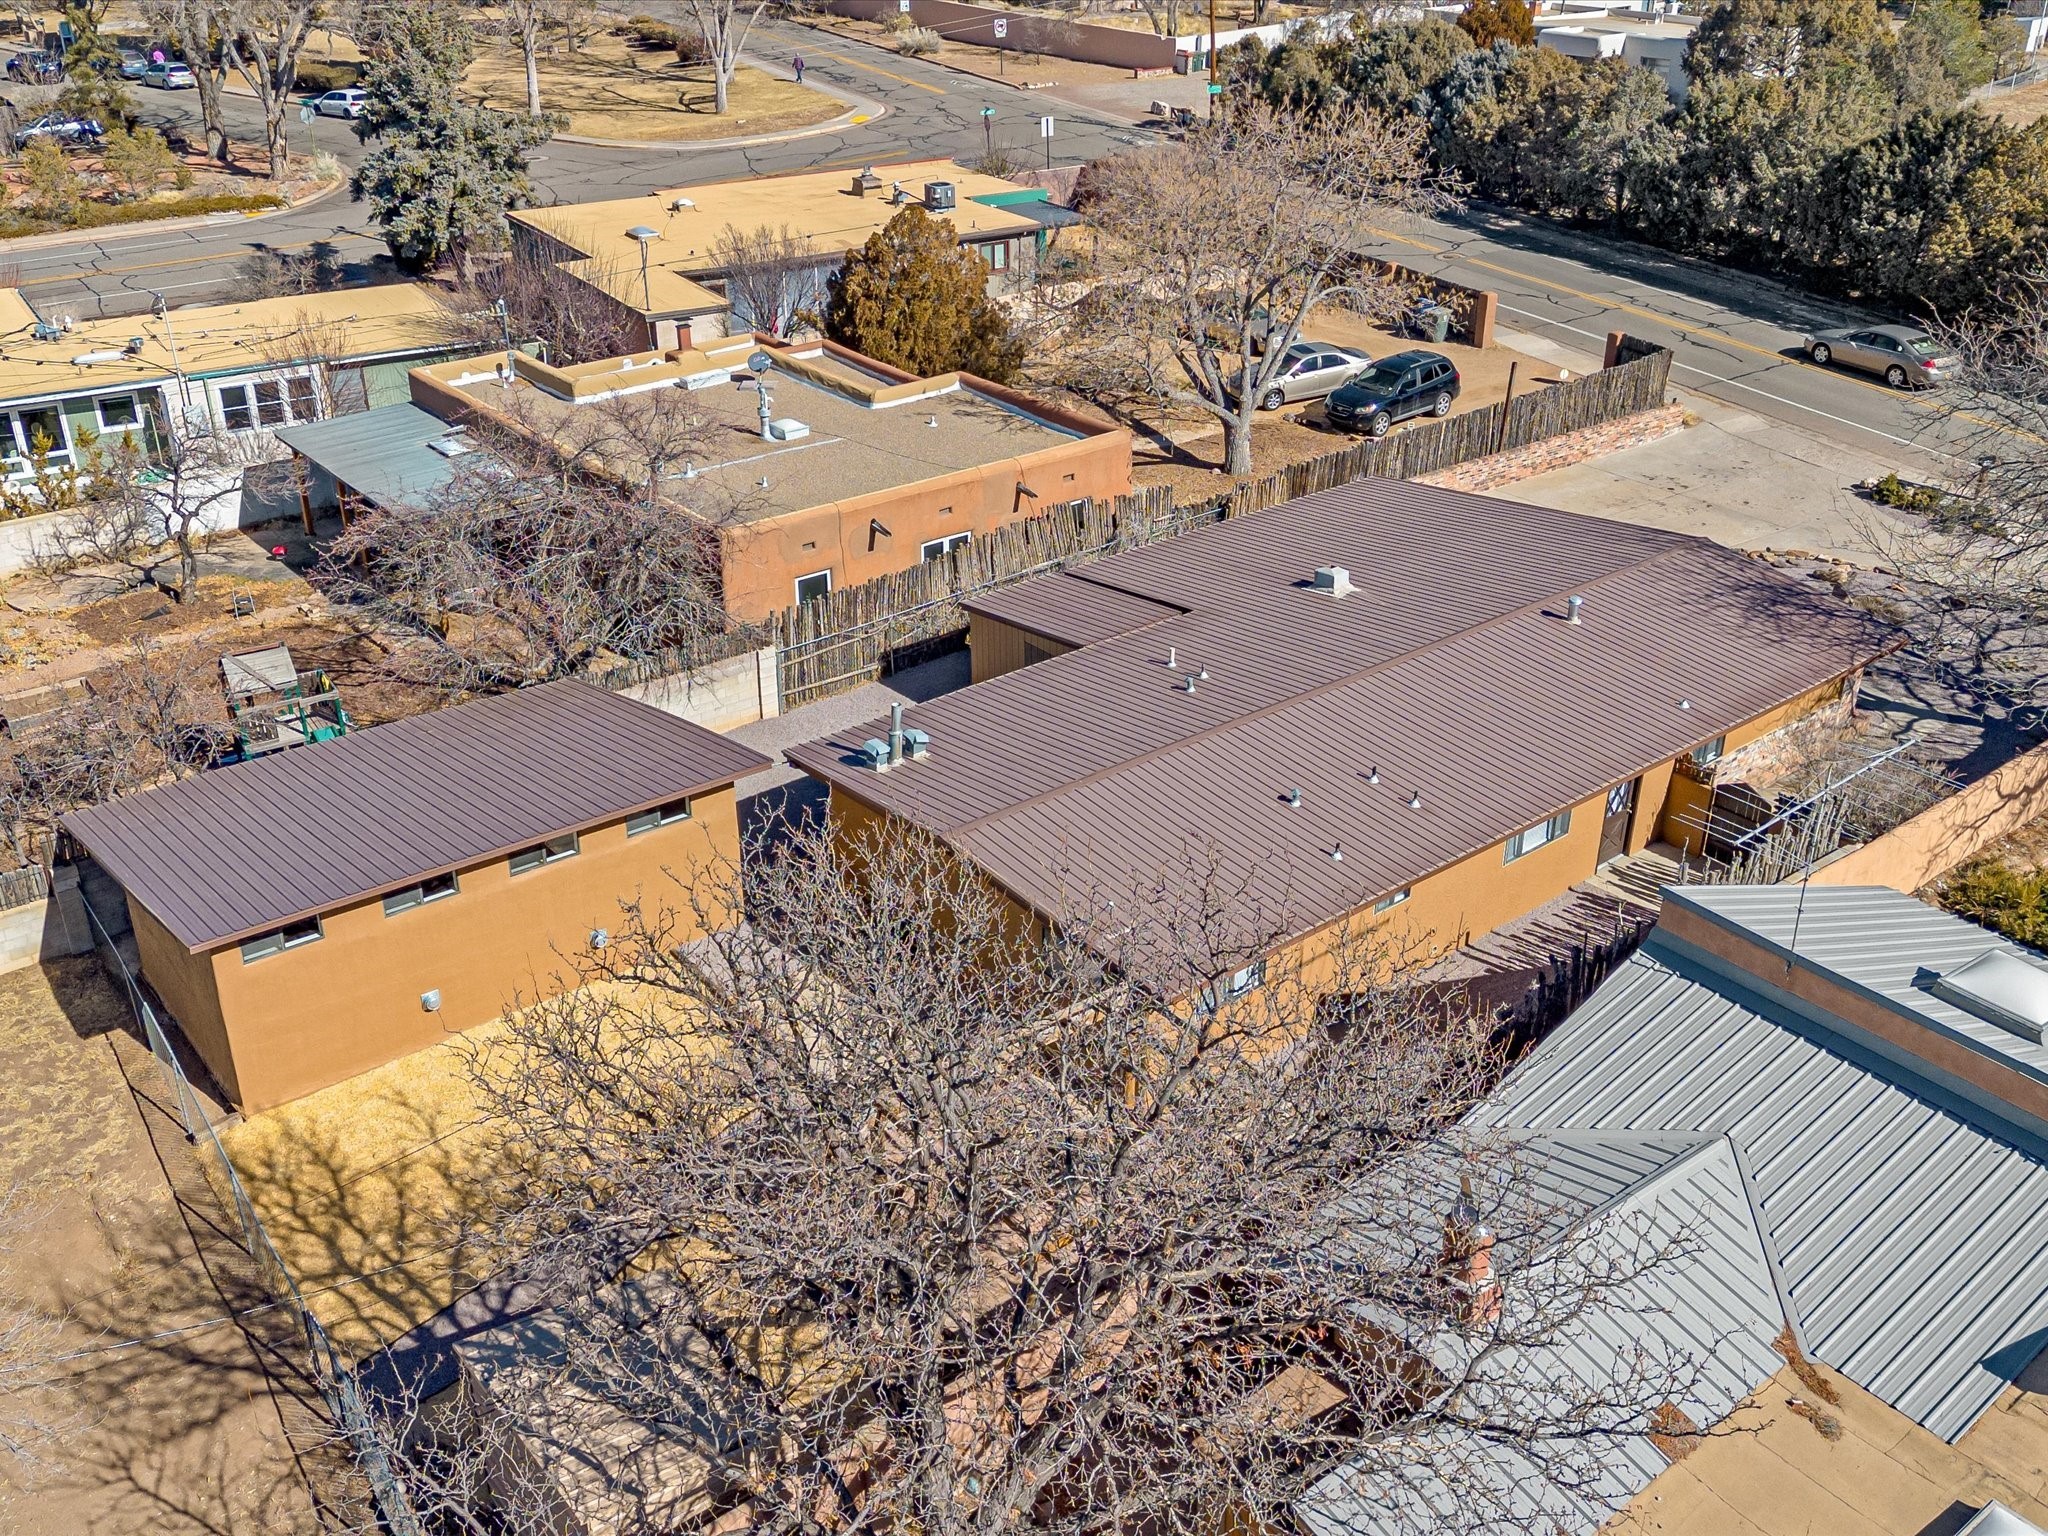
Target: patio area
<point>1594,911</point>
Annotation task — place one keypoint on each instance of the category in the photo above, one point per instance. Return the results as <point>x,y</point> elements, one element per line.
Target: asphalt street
<point>915,110</point>
<point>1735,337</point>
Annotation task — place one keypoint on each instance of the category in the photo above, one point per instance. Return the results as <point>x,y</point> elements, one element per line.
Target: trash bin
<point>1433,322</point>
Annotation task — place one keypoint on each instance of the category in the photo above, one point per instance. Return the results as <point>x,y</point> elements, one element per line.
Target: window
<point>814,586</point>
<point>659,816</point>
<point>236,413</point>
<point>118,411</point>
<point>434,889</point>
<point>276,942</point>
<point>938,549</point>
<point>1249,979</point>
<point>305,398</point>
<point>997,254</point>
<point>28,436</point>
<point>1710,752</point>
<point>553,851</point>
<point>270,410</point>
<point>1543,832</point>
<point>1389,902</point>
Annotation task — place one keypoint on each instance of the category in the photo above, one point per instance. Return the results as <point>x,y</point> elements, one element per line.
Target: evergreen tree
<point>1488,22</point>
<point>1392,69</point>
<point>914,298</point>
<point>441,174</point>
<point>92,71</point>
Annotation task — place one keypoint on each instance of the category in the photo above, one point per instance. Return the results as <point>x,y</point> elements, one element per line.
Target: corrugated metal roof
<point>1909,1225</point>
<point>247,848</point>
<point>1070,608</point>
<point>1705,1318</point>
<point>380,454</point>
<point>1449,668</point>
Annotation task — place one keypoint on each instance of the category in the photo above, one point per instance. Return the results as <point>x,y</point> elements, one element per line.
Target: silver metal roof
<point>381,455</point>
<point>1707,1317</point>
<point>1908,1226</point>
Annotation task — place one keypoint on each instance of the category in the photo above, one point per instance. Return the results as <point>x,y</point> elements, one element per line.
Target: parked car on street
<point>169,75</point>
<point>1904,356</point>
<point>1310,370</point>
<point>133,65</point>
<point>1393,389</point>
<point>61,126</point>
<point>348,103</point>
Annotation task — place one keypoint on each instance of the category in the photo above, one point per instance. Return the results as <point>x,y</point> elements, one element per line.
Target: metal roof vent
<point>874,753</point>
<point>787,429</point>
<point>1294,798</point>
<point>2001,988</point>
<point>1572,605</point>
<point>1333,579</point>
<point>451,446</point>
<point>916,744</point>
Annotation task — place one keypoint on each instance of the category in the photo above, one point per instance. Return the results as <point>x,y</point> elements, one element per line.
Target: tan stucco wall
<point>1917,852</point>
<point>312,1016</point>
<point>997,648</point>
<point>762,560</point>
<point>185,983</point>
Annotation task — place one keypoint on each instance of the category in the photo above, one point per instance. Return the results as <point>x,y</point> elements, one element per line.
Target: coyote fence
<point>857,634</point>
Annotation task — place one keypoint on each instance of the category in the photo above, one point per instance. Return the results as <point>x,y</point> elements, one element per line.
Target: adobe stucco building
<point>863,469</point>
<point>1430,710</point>
<point>315,913</point>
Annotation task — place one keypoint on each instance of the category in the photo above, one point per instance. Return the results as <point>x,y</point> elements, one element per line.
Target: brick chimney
<point>1467,1260</point>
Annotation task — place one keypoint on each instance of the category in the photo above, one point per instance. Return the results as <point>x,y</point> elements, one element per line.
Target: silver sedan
<point>1902,355</point>
<point>1311,370</point>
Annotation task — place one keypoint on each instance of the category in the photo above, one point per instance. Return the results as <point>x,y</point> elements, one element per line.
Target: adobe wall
<point>1917,852</point>
<point>1026,32</point>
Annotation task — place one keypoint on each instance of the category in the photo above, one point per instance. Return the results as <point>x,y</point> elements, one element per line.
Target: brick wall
<point>1559,452</point>
<point>1763,761</point>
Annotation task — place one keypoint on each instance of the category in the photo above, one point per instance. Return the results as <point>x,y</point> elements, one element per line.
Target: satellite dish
<point>760,362</point>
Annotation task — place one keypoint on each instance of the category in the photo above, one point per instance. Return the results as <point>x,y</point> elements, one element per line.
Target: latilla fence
<point>857,634</point>
<point>316,1354</point>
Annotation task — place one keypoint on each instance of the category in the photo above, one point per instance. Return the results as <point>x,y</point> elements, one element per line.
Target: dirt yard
<point>162,1419</point>
<point>2026,105</point>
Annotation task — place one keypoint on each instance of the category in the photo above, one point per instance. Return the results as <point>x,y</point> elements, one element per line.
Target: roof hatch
<point>2000,987</point>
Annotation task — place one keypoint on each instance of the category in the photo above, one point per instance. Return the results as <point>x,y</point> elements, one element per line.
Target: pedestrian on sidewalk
<point>798,61</point>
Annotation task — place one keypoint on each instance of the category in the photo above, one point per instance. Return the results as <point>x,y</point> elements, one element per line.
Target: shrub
<point>649,33</point>
<point>54,189</point>
<point>917,41</point>
<point>2006,900</point>
<point>1891,491</point>
<point>319,76</point>
<point>690,45</point>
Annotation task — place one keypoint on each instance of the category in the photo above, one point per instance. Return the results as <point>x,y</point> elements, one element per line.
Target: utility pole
<point>1214,77</point>
<point>163,312</point>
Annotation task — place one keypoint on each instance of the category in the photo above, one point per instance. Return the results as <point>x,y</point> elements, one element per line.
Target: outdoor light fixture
<point>643,234</point>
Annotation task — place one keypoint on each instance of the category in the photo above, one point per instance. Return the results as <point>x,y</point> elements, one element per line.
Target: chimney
<point>1572,605</point>
<point>1333,579</point>
<point>1467,1260</point>
<point>896,733</point>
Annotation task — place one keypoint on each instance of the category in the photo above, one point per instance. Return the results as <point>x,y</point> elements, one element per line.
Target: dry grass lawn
<point>2026,105</point>
<point>611,91</point>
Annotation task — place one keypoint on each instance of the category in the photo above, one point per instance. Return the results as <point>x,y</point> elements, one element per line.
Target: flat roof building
<point>315,913</point>
<point>1380,698</point>
<point>869,470</point>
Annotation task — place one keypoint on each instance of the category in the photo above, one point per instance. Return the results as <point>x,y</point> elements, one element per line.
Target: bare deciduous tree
<point>156,714</point>
<point>262,42</point>
<point>725,25</point>
<point>774,280</point>
<point>197,26</point>
<point>574,318</point>
<point>548,551</point>
<point>30,1424</point>
<point>1228,239</point>
<point>1974,561</point>
<point>525,22</point>
<point>890,1210</point>
<point>151,510</point>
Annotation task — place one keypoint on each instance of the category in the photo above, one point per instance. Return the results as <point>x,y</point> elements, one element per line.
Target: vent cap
<point>2000,988</point>
<point>1333,579</point>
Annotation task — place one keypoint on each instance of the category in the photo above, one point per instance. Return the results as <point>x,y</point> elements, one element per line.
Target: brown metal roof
<point>1448,667</point>
<point>247,848</point>
<point>1069,608</point>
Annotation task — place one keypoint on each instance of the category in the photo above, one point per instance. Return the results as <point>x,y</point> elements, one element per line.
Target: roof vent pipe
<point>1415,801</point>
<point>1294,798</point>
<point>896,733</point>
<point>1172,656</point>
<point>1187,682</point>
<point>1372,774</point>
<point>1572,605</point>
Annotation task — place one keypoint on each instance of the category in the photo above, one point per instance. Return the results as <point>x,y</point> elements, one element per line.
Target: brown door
<point>1621,810</point>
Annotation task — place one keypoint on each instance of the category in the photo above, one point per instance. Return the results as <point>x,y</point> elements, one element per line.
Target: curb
<point>118,232</point>
<point>858,115</point>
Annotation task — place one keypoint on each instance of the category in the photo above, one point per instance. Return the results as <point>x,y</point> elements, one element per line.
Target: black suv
<point>1393,389</point>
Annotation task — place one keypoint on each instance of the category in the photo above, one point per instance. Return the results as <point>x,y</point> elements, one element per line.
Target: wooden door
<point>1621,810</point>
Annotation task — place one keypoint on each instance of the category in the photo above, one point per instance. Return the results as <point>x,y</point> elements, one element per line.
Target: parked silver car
<point>1902,355</point>
<point>1311,370</point>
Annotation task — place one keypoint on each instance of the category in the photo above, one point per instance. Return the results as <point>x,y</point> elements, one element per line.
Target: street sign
<point>1002,27</point>
<point>1215,89</point>
<point>903,7</point>
<point>988,111</point>
<point>1045,127</point>
<point>305,114</point>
